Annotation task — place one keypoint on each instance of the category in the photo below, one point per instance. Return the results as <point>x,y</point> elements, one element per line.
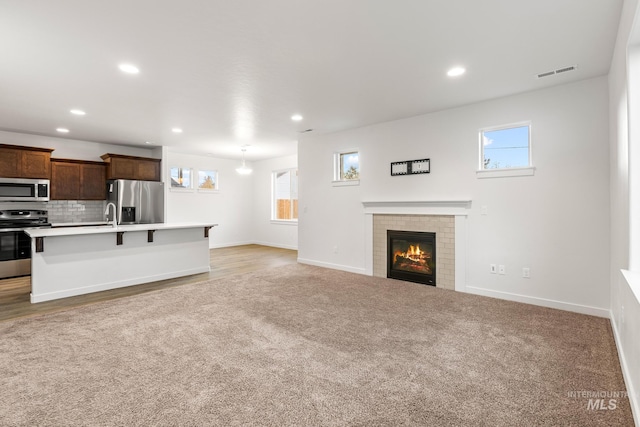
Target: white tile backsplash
<point>65,210</point>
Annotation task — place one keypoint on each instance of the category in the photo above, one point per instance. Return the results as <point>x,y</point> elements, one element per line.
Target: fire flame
<point>412,258</point>
<point>414,253</point>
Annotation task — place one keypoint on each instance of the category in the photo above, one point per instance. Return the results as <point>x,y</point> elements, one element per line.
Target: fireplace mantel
<point>418,207</point>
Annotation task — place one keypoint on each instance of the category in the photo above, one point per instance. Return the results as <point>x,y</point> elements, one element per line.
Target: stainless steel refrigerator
<point>137,202</point>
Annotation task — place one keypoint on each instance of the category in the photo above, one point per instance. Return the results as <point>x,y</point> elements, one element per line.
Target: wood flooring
<point>14,292</point>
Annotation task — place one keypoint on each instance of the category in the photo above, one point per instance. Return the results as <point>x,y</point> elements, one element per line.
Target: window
<point>285,195</point>
<point>208,180</point>
<point>346,167</point>
<point>181,178</point>
<point>506,148</point>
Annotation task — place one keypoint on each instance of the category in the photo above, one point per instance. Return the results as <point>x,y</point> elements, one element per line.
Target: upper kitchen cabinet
<point>77,180</point>
<point>24,162</point>
<point>131,167</point>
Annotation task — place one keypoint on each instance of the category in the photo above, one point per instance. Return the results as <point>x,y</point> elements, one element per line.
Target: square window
<point>180,177</point>
<point>207,180</point>
<point>505,147</point>
<point>285,195</point>
<point>347,166</point>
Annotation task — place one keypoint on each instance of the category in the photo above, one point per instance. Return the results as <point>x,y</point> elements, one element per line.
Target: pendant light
<point>243,170</point>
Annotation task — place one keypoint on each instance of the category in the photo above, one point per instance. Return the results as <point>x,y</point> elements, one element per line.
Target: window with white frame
<point>181,178</point>
<point>346,166</point>
<point>505,147</point>
<point>208,180</point>
<point>285,195</point>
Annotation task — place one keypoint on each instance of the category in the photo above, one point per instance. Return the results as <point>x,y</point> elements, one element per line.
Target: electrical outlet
<point>526,272</point>
<point>502,269</point>
<point>335,249</point>
<point>493,269</point>
<point>484,210</point>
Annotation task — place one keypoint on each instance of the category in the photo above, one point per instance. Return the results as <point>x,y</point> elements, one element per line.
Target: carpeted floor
<point>302,345</point>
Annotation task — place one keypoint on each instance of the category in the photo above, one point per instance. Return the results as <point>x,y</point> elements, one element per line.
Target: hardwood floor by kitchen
<point>14,292</point>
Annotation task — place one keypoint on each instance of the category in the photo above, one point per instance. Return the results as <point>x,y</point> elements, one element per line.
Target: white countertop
<point>101,229</point>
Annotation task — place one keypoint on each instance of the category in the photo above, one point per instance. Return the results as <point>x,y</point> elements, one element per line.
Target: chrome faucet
<point>115,214</point>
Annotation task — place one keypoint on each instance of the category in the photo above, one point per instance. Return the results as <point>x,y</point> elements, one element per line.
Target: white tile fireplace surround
<point>445,218</point>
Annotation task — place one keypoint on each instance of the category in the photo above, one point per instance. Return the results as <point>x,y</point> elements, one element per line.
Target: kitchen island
<point>81,260</point>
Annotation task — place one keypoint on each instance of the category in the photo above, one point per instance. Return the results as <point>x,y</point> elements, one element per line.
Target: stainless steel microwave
<point>24,190</point>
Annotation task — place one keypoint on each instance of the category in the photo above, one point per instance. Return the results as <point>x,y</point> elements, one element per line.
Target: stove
<point>15,245</point>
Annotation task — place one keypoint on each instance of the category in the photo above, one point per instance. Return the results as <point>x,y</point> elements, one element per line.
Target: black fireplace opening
<point>411,256</point>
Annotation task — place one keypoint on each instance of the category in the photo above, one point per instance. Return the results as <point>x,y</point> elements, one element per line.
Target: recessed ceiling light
<point>148,142</point>
<point>62,130</point>
<point>77,112</point>
<point>176,130</point>
<point>128,68</point>
<point>456,71</point>
<point>296,117</point>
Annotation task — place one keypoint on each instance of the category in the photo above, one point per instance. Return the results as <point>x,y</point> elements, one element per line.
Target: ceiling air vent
<point>558,71</point>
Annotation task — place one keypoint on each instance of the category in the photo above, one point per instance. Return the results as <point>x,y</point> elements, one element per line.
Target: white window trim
<point>337,182</point>
<point>293,221</point>
<point>345,183</point>
<point>285,221</point>
<point>504,172</point>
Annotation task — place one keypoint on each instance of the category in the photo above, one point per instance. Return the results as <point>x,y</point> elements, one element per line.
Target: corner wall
<point>625,307</point>
<point>556,223</point>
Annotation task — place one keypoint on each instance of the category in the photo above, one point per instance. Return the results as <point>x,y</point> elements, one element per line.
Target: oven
<point>15,245</point>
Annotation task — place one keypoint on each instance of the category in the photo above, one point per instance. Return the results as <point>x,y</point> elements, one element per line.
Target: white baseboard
<point>277,245</point>
<point>332,266</point>
<point>633,397</point>
<point>228,245</point>
<point>576,308</point>
<point>253,242</point>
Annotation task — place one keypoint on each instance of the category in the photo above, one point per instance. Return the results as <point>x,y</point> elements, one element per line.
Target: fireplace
<point>411,256</point>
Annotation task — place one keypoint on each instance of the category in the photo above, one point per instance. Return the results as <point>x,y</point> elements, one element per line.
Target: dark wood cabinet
<point>77,180</point>
<point>65,180</point>
<point>93,181</point>
<point>25,162</point>
<point>130,167</point>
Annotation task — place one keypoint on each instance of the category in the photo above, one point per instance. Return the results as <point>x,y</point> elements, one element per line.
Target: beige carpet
<point>302,345</point>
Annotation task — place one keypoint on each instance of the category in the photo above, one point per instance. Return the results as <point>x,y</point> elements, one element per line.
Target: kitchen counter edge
<point>102,229</point>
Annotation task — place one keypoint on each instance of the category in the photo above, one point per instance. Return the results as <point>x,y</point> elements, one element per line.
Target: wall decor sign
<point>411,167</point>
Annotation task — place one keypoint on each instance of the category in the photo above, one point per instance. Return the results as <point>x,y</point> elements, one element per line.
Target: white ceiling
<point>233,72</point>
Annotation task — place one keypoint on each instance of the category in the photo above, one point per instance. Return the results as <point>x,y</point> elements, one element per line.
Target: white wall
<point>75,149</point>
<point>264,231</point>
<point>625,307</point>
<point>556,222</point>
<point>231,206</point>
